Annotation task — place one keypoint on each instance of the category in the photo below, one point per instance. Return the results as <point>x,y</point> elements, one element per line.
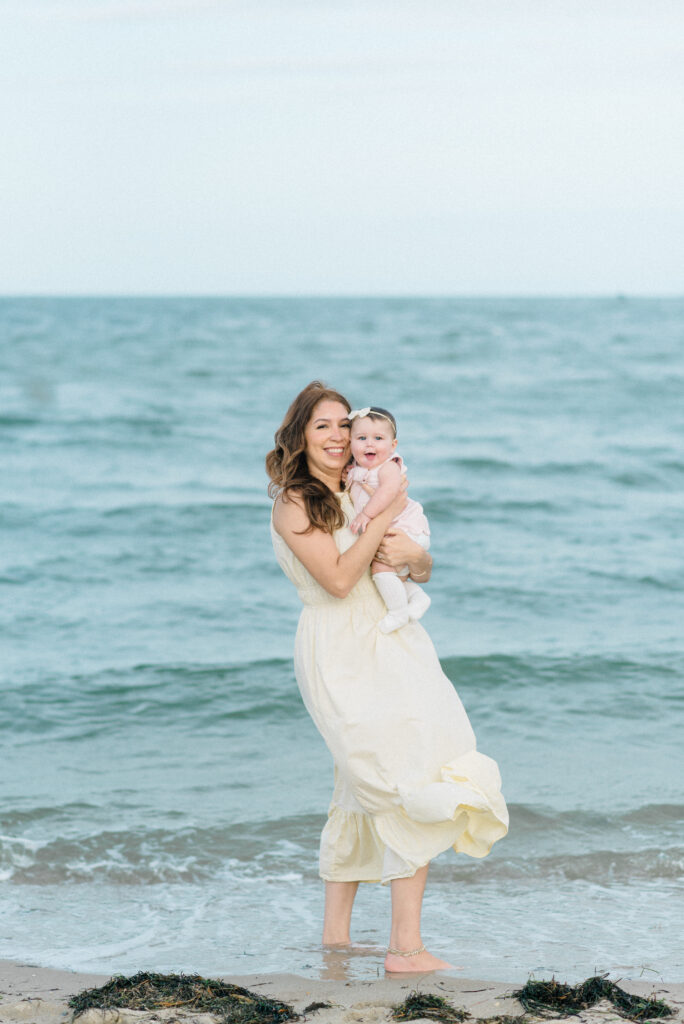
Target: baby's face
<point>372,441</point>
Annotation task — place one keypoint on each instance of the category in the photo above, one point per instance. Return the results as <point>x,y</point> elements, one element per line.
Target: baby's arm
<point>389,485</point>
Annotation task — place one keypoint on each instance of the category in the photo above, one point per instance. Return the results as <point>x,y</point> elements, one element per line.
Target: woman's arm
<point>337,573</point>
<point>396,549</point>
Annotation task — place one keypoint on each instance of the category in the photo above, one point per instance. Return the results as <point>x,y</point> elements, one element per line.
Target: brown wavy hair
<point>287,466</point>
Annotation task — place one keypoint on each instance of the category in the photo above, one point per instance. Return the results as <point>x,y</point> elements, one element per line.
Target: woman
<point>409,782</point>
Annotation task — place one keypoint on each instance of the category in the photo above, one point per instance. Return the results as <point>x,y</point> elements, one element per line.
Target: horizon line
<point>613,295</point>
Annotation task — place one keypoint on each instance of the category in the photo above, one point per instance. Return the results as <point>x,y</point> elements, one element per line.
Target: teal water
<point>163,789</point>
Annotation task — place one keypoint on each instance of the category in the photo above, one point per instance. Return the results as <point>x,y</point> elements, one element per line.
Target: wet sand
<point>40,994</point>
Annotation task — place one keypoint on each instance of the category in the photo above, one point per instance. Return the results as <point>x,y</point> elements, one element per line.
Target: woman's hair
<point>287,466</point>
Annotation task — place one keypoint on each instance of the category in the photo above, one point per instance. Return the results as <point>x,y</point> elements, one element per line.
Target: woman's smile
<point>327,441</point>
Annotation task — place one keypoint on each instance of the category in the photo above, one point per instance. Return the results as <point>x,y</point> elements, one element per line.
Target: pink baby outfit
<point>411,519</point>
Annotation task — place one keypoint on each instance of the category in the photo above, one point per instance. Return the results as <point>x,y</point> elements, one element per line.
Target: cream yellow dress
<point>409,781</point>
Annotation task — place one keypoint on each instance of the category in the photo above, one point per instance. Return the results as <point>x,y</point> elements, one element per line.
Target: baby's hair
<point>376,413</point>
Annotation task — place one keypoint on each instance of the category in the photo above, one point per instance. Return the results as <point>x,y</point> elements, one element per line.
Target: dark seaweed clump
<point>542,998</point>
<point>146,991</point>
<point>545,996</point>
<point>425,1004</point>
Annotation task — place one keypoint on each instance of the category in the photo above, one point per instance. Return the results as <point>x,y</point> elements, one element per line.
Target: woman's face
<point>327,441</point>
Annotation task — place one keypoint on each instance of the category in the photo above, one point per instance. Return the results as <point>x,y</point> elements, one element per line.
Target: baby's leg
<point>377,567</point>
<point>418,600</point>
<point>393,593</point>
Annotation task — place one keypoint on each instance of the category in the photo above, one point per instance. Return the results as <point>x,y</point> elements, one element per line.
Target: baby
<point>374,480</point>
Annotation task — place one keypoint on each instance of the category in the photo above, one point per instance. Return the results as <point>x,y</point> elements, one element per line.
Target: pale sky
<point>338,147</point>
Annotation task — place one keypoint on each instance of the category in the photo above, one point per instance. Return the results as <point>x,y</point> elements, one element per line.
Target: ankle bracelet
<point>408,952</point>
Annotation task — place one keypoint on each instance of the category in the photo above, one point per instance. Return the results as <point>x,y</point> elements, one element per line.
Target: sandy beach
<point>41,994</point>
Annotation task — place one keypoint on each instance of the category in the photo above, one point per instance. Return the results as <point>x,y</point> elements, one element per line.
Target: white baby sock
<point>393,593</point>
<point>418,601</point>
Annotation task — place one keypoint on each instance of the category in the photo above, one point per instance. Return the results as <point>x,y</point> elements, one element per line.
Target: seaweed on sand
<point>148,991</point>
<point>424,1004</point>
<point>566,1000</point>
<point>542,998</point>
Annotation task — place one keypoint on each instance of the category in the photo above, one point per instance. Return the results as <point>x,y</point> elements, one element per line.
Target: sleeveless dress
<point>409,781</point>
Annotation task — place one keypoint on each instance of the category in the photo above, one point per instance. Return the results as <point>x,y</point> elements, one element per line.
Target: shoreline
<point>29,993</point>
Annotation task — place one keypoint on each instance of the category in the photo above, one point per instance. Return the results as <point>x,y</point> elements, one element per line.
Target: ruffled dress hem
<point>463,810</point>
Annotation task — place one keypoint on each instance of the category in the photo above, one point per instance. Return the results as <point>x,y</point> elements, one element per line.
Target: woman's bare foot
<point>419,962</point>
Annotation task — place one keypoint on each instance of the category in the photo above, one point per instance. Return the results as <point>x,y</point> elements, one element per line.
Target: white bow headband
<point>368,411</point>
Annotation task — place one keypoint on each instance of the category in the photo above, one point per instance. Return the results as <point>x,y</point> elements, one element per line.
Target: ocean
<point>162,787</point>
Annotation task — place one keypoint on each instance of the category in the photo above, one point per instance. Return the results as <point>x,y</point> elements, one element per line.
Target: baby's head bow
<point>375,414</point>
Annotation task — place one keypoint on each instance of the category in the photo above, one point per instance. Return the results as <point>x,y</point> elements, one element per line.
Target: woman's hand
<point>397,550</point>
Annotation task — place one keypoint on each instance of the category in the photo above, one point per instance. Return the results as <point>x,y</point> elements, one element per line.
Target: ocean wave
<point>542,819</point>
<point>654,814</point>
<point>191,696</point>
<point>502,670</point>
<point>55,847</point>
<point>445,508</point>
<point>669,580</point>
<point>599,867</point>
<point>163,856</point>
<point>527,821</point>
<point>101,511</point>
<point>50,817</point>
<point>104,432</point>
<point>19,420</point>
<point>521,465</point>
<point>87,705</point>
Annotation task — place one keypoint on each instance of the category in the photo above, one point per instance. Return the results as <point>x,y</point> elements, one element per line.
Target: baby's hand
<point>360,522</point>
